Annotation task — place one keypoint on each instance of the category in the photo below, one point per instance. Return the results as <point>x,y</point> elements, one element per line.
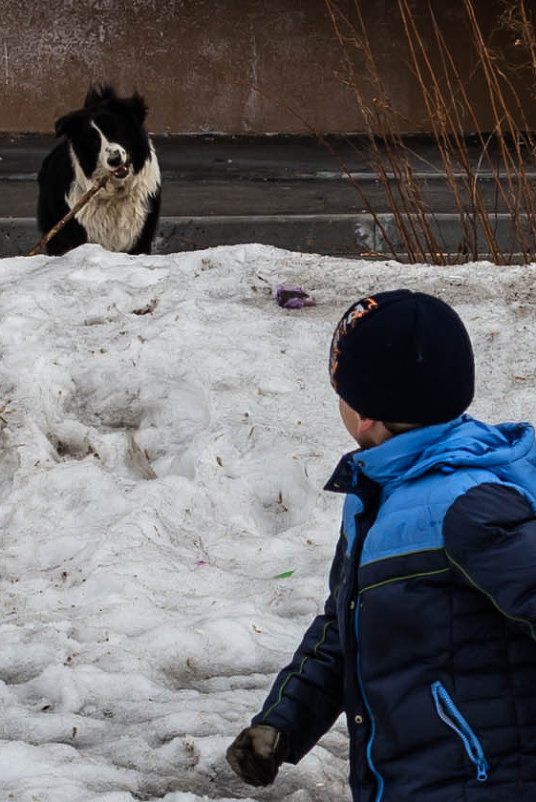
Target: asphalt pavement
<point>303,193</point>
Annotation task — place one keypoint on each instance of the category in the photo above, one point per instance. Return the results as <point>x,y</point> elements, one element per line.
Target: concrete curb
<point>343,234</point>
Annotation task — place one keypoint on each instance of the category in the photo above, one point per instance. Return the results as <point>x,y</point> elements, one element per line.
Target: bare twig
<point>324,141</point>
<point>403,191</point>
<point>449,109</point>
<point>69,216</point>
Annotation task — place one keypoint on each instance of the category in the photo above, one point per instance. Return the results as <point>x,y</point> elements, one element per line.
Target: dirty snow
<point>166,430</point>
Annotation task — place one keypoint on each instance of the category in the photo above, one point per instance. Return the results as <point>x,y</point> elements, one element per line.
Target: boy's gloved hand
<point>257,753</point>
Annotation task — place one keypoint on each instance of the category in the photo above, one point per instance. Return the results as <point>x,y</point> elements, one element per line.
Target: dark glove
<point>257,753</point>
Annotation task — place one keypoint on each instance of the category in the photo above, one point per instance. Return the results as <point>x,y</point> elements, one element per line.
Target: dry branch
<point>449,107</point>
<point>69,216</point>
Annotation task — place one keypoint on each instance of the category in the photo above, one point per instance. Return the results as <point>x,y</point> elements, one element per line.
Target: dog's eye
<point>107,125</point>
<point>110,132</point>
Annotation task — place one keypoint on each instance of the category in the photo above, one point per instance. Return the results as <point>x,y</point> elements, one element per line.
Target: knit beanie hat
<point>403,357</point>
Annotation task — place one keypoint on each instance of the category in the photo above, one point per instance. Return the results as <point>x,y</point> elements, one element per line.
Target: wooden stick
<point>69,216</point>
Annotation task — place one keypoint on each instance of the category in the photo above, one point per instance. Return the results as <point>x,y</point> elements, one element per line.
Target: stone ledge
<point>337,235</point>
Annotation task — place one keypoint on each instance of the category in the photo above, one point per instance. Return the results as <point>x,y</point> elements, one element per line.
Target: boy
<point>427,641</point>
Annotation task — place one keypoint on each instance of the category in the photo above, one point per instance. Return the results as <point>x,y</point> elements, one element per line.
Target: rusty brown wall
<point>200,63</point>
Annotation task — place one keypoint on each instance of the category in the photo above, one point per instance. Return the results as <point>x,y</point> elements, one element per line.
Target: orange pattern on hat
<point>345,324</point>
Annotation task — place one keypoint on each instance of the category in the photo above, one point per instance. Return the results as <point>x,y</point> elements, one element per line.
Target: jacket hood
<point>507,449</point>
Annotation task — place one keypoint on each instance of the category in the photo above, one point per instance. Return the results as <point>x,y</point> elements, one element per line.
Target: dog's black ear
<point>98,93</point>
<point>64,125</point>
<point>137,106</point>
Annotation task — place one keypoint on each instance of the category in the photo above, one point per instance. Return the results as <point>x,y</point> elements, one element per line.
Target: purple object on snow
<point>292,297</point>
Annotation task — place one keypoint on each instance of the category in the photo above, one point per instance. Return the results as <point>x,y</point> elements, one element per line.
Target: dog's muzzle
<point>119,163</point>
<point>122,171</point>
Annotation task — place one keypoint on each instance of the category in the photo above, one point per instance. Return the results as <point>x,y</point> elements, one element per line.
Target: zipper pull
<point>482,770</point>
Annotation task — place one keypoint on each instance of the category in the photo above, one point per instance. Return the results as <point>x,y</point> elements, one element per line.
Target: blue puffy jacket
<point>427,641</point>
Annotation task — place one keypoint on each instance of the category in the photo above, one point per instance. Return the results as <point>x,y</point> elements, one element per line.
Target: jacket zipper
<point>372,767</point>
<point>450,714</point>
<point>360,537</point>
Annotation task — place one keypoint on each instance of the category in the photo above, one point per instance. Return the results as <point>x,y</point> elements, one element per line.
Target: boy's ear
<point>365,424</point>
<point>137,107</point>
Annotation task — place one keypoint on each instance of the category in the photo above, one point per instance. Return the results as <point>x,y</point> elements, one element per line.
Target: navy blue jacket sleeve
<point>490,537</point>
<point>307,695</point>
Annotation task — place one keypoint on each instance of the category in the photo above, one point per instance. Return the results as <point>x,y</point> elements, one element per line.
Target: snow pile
<point>166,430</point>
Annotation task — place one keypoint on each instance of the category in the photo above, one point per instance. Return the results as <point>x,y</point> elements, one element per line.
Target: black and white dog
<point>107,134</point>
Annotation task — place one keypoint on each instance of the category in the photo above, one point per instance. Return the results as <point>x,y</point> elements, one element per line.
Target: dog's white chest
<point>115,216</point>
<point>114,222</point>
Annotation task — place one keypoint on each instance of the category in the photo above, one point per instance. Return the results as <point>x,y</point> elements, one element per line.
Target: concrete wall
<point>198,62</point>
